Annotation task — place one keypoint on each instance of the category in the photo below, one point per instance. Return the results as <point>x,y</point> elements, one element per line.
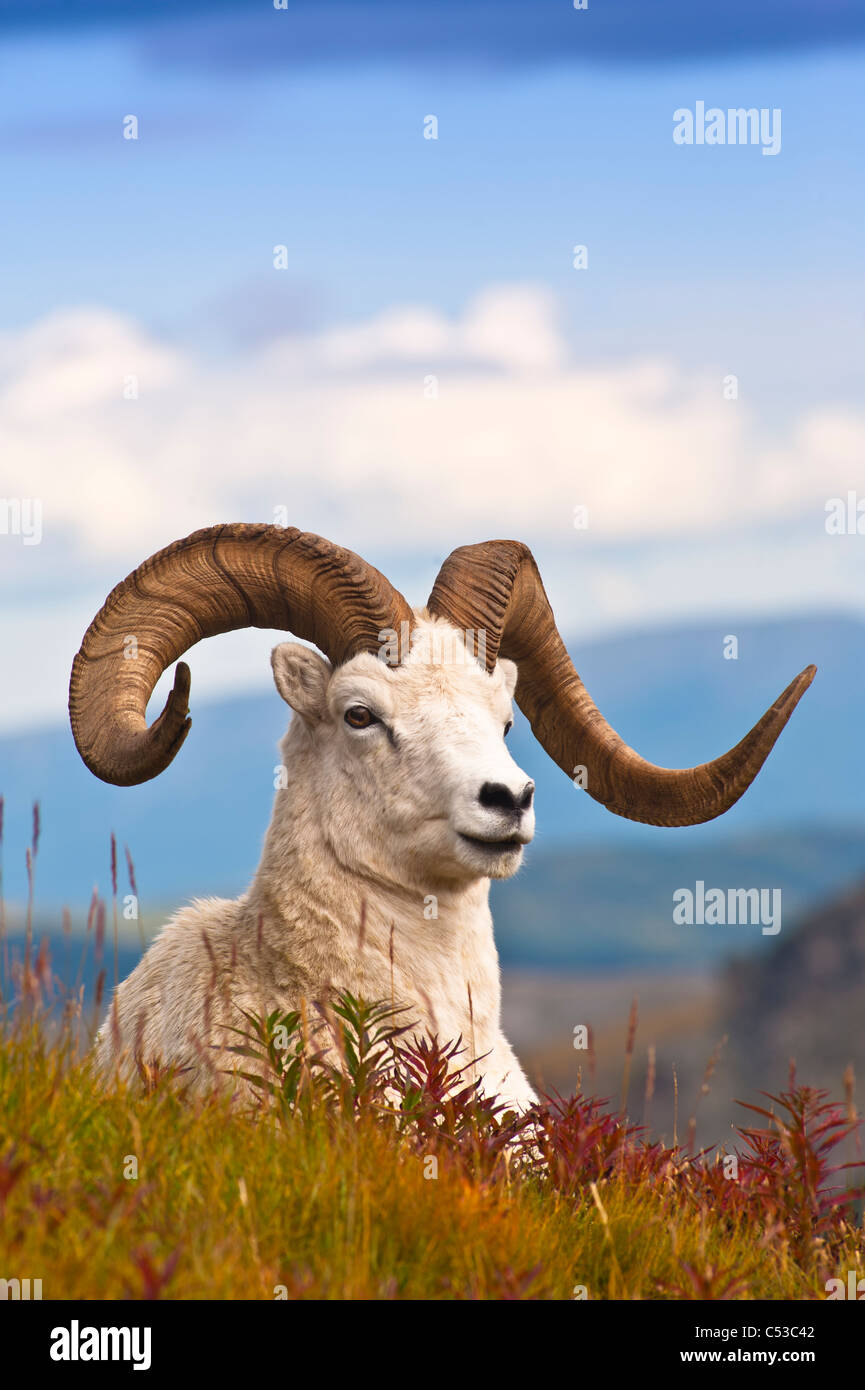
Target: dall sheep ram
<point>399,789</point>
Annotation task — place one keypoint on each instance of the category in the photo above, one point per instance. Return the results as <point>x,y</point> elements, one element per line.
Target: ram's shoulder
<point>199,926</point>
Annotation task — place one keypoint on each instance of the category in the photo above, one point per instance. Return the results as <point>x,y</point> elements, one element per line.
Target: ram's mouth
<point>513,842</point>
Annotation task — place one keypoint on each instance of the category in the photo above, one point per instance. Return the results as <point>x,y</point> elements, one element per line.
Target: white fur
<point>368,825</point>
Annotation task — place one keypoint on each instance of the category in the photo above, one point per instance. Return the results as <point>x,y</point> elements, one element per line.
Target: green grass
<point>321,1187</point>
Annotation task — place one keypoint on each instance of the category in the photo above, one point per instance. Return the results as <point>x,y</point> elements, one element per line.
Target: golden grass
<point>332,1203</point>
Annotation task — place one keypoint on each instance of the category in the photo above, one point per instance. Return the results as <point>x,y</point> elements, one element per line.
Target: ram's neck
<point>431,948</point>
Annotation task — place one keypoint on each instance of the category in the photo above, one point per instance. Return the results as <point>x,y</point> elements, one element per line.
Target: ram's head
<point>413,700</point>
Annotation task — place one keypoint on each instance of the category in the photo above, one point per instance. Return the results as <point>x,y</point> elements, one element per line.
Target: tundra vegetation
<point>377,1169</point>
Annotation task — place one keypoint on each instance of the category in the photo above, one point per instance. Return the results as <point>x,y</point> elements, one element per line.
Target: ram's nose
<point>513,801</point>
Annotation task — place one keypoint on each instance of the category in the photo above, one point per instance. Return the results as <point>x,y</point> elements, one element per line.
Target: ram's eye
<point>359,717</point>
<point>508,727</point>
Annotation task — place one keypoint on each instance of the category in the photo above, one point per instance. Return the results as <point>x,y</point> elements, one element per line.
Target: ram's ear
<point>301,677</point>
<point>509,671</point>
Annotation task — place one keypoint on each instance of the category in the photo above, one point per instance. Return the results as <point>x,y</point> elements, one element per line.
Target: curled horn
<point>216,580</point>
<point>496,588</point>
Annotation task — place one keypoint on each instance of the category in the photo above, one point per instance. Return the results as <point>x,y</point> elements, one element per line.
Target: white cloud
<point>686,497</point>
<point>511,327</point>
<point>339,421</point>
<point>74,360</point>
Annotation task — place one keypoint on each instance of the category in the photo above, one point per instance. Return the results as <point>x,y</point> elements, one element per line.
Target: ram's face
<point>417,784</point>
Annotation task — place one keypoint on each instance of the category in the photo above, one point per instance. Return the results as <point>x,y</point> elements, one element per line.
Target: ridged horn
<point>495,588</point>
<point>216,580</point>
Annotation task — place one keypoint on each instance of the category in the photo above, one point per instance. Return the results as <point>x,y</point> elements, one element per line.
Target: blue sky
<point>331,161</point>
<point>409,258</point>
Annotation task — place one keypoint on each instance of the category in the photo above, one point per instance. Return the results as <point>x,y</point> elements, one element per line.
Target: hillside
<point>805,999</point>
<point>383,1179</point>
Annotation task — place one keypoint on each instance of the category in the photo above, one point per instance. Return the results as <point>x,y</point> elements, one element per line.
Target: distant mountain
<point>673,697</point>
<point>198,828</point>
<point>611,906</point>
<point>805,998</point>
